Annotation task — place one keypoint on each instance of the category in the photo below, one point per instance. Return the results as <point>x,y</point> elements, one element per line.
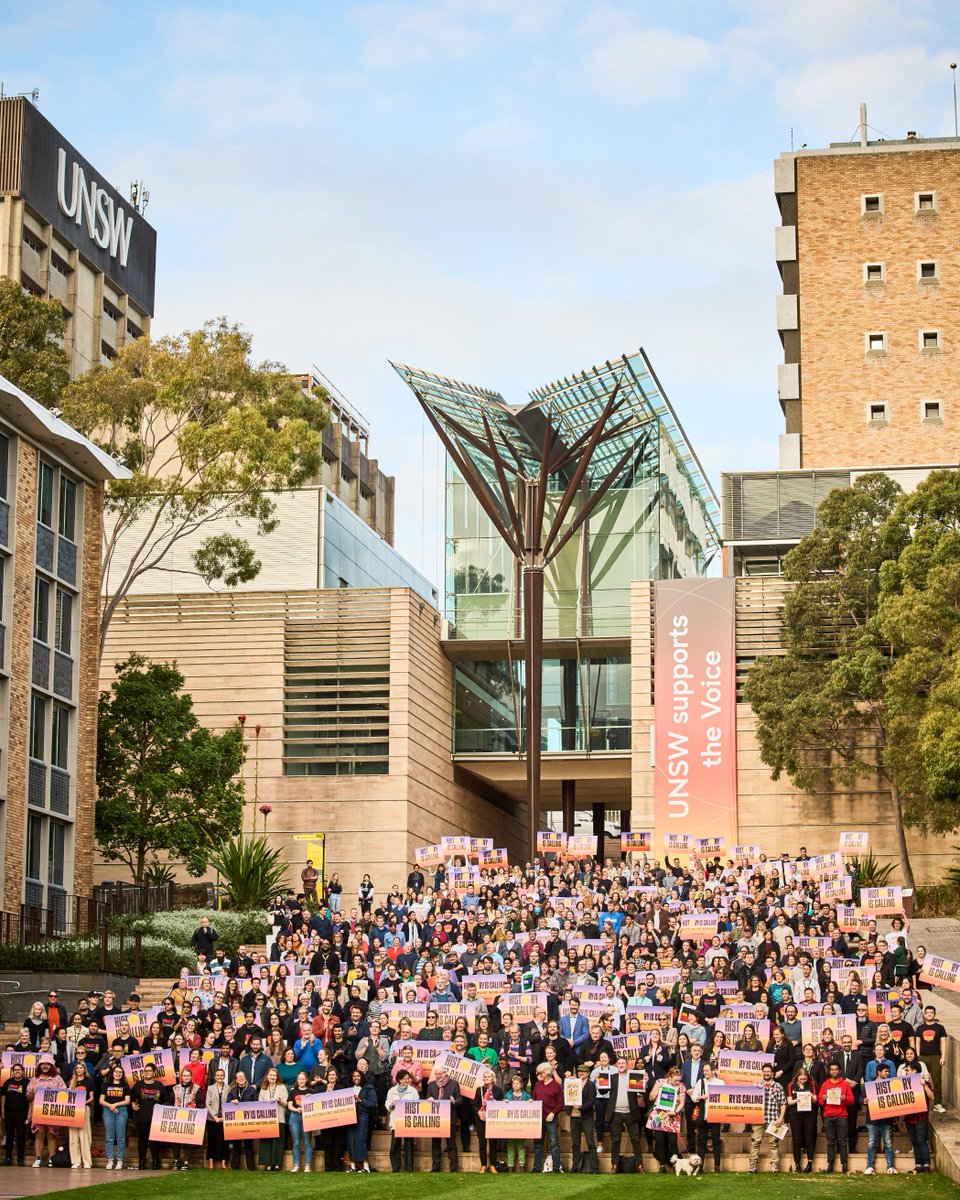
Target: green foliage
<point>176,928</point>
<point>866,870</point>
<point>69,956</point>
<point>158,874</point>
<point>251,871</point>
<point>208,435</point>
<point>165,782</point>
<point>31,355</point>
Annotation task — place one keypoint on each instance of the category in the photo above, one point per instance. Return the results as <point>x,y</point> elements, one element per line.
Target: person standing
<point>185,1095</point>
<point>774,1110</point>
<point>242,1092</point>
<point>308,878</point>
<point>802,1118</point>
<point>204,938</point>
<point>918,1127</point>
<point>81,1139</point>
<point>878,1132</point>
<point>145,1095</point>
<point>16,1113</point>
<point>334,890</point>
<point>295,1094</point>
<point>216,1098</point>
<point>582,1125</point>
<point>835,1098</point>
<point>485,1093</point>
<point>271,1149</point>
<point>932,1046</point>
<point>624,1112</point>
<point>403,1089</point>
<point>549,1091</point>
<point>365,894</point>
<point>115,1106</point>
<point>442,1087</point>
<point>667,1102</point>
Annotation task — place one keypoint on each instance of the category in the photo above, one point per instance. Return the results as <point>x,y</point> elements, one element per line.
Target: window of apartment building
<point>876,342</point>
<point>4,466</point>
<point>34,842</point>
<point>63,632</point>
<point>38,726</point>
<point>60,737</point>
<point>61,265</point>
<point>45,495</point>
<point>929,339</point>
<point>932,411</point>
<point>928,269</point>
<point>41,610</point>
<point>67,519</point>
<point>872,203</point>
<point>56,857</point>
<point>925,202</point>
<point>874,272</point>
<point>877,412</point>
<point>33,242</point>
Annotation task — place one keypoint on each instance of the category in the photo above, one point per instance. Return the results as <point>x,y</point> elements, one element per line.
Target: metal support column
<point>568,794</point>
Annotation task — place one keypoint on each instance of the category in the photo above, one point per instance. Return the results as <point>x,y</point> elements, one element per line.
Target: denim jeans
<point>115,1132</point>
<point>295,1121</point>
<point>878,1132</point>
<point>550,1128</point>
<point>334,901</point>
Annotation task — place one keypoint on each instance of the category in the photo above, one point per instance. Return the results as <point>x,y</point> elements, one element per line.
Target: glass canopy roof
<point>471,416</point>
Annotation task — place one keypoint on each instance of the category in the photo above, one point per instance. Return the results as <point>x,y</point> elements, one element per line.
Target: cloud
<point>641,64</point>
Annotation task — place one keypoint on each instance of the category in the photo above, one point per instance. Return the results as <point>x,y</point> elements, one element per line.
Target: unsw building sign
<point>65,190</point>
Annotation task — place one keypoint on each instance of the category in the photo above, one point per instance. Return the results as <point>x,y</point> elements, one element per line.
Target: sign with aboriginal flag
<point>422,1118</point>
<point>161,1060</point>
<point>515,1119</point>
<point>943,972</point>
<point>255,1119</point>
<point>739,1066</point>
<point>182,1126</point>
<point>735,1104</point>
<point>897,1097</point>
<point>59,1106</point>
<point>327,1110</point>
<point>632,843</point>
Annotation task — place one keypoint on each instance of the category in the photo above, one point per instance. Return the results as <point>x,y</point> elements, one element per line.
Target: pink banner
<point>695,771</point>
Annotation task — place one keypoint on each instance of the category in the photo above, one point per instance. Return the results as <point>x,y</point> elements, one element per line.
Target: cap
<point>584,1068</point>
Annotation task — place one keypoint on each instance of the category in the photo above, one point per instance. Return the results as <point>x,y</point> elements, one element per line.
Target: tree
<point>822,707</point>
<point>31,336</point>
<point>208,436</point>
<point>166,783</point>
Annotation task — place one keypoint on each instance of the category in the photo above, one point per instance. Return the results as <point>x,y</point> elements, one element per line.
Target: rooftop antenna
<point>33,96</point>
<point>863,126</point>
<point>953,70</point>
<point>139,196</point>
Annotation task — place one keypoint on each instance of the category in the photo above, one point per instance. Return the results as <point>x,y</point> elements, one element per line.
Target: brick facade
<point>839,377</point>
<point>85,793</point>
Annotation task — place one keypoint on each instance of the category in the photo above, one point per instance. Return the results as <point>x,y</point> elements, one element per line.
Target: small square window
<point>926,201</point>
<point>876,343</point>
<point>872,203</point>
<point>929,339</point>
<point>873,273</point>
<point>932,410</point>
<point>877,412</point>
<point>928,270</point>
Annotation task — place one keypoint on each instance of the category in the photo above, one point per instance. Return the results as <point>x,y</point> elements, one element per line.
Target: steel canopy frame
<point>584,431</point>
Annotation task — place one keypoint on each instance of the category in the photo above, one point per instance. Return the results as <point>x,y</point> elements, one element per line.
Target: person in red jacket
<point>549,1090</point>
<point>835,1098</point>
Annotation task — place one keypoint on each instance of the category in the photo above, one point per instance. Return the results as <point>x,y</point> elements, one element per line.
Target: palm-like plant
<point>251,871</point>
<point>867,870</point>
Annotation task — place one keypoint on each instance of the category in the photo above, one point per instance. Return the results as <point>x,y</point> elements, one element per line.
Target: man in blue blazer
<point>575,1028</point>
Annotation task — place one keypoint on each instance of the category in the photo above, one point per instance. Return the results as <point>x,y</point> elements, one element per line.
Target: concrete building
<point>68,235</point>
<point>867,251</point>
<point>51,492</point>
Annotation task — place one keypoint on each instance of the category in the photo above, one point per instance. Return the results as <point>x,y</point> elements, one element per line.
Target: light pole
<point>953,71</point>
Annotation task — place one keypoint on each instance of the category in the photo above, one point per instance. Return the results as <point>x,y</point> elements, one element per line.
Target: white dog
<point>687,1166</point>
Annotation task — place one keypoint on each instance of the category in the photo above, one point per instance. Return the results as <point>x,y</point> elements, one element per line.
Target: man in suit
<point>535,1032</point>
<point>442,1087</point>
<point>851,1066</point>
<point>624,1112</point>
<point>575,1027</point>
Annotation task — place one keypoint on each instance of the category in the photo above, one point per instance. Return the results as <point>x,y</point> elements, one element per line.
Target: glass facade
<point>355,556</point>
<point>586,706</point>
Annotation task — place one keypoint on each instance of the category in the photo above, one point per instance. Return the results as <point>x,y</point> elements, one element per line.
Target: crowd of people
<point>592,946</point>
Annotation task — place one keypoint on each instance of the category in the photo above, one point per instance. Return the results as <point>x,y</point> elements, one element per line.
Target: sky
<point>502,191</point>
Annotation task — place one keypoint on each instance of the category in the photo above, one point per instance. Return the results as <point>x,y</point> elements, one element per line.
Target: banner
<point>465,1071</point>
<point>161,1060</point>
<point>705,846</point>
<point>326,1110</point>
<point>629,1045</point>
<point>879,1001</point>
<point>463,879</point>
<point>423,1118</point>
<point>737,1066</point>
<point>695,749</point>
<point>725,987</point>
<point>853,920</point>
<point>882,901</point>
<point>522,1005</point>
<point>428,856</point>
<point>853,843</point>
<point>489,987</point>
<point>26,1058</point>
<point>738,1105</point>
<point>494,858</point>
<point>697,925</point>
<point>744,855</point>
<point>811,1027</point>
<point>732,1028</point>
<point>256,1119</point>
<point>634,843</point>
<point>459,846</point>
<point>943,972</point>
<point>522,1119</point>
<point>393,1014</point>
<point>59,1106</point>
<point>550,843</point>
<point>448,1010</point>
<point>581,847</point>
<point>426,1053</point>
<point>896,1097</point>
<point>648,1015</point>
<point>832,890</point>
<point>816,946</point>
<point>677,843</point>
<point>137,1022</point>
<point>182,1126</point>
<point>826,866</point>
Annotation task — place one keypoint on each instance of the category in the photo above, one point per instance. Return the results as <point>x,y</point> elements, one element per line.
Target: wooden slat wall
<point>11,144</point>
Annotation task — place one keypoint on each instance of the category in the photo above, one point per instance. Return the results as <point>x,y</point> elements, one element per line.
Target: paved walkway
<point>941,935</point>
<point>40,1181</point>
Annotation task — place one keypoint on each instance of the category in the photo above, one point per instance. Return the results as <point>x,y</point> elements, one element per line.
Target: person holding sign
<point>918,1127</point>
<point>835,1098</point>
<point>185,1094</point>
<point>16,1113</point>
<point>403,1089</point>
<point>46,1135</point>
<point>484,1094</point>
<point>548,1090</point>
<point>802,1117</point>
<point>878,1130</point>
<point>115,1106</point>
<point>580,1095</point>
<point>145,1095</point>
<point>242,1092</point>
<point>624,1113</point>
<point>81,1150</point>
<point>667,1100</point>
<point>774,1109</point>
<point>216,1098</point>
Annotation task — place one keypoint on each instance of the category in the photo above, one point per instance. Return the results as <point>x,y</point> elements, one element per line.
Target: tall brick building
<point>869,253</point>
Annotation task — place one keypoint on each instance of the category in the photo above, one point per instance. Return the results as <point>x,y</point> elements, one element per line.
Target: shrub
<point>177,927</point>
<point>251,869</point>
<point>867,870</point>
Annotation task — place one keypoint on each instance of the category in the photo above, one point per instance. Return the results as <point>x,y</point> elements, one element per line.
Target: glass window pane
<point>34,842</point>
<point>41,610</point>
<point>55,853</point>
<point>45,495</point>
<point>4,465</point>
<point>64,630</point>
<point>38,726</point>
<point>60,740</point>
<point>68,508</point>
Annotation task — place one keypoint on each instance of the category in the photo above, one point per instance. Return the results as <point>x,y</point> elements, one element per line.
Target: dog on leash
<point>687,1166</point>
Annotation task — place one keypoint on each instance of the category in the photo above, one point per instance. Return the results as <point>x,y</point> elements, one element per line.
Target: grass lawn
<point>240,1185</point>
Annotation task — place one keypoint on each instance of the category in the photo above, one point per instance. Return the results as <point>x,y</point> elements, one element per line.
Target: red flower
<point>266,809</point>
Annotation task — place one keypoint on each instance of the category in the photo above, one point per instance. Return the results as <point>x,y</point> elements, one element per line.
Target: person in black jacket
<point>486,1092</point>
<point>145,1095</point>
<point>624,1112</point>
<point>16,1111</point>
<point>242,1092</point>
<point>204,938</point>
<point>582,1122</point>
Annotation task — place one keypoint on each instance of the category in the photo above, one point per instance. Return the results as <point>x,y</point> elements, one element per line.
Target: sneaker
<point>185,1167</point>
<point>73,1166</point>
<point>306,1169</point>
<point>366,1168</point>
<point>118,1165</point>
<point>939,1108</point>
<point>109,1166</point>
<point>294,1168</point>
<point>37,1162</point>
<point>869,1171</point>
<point>892,1171</point>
